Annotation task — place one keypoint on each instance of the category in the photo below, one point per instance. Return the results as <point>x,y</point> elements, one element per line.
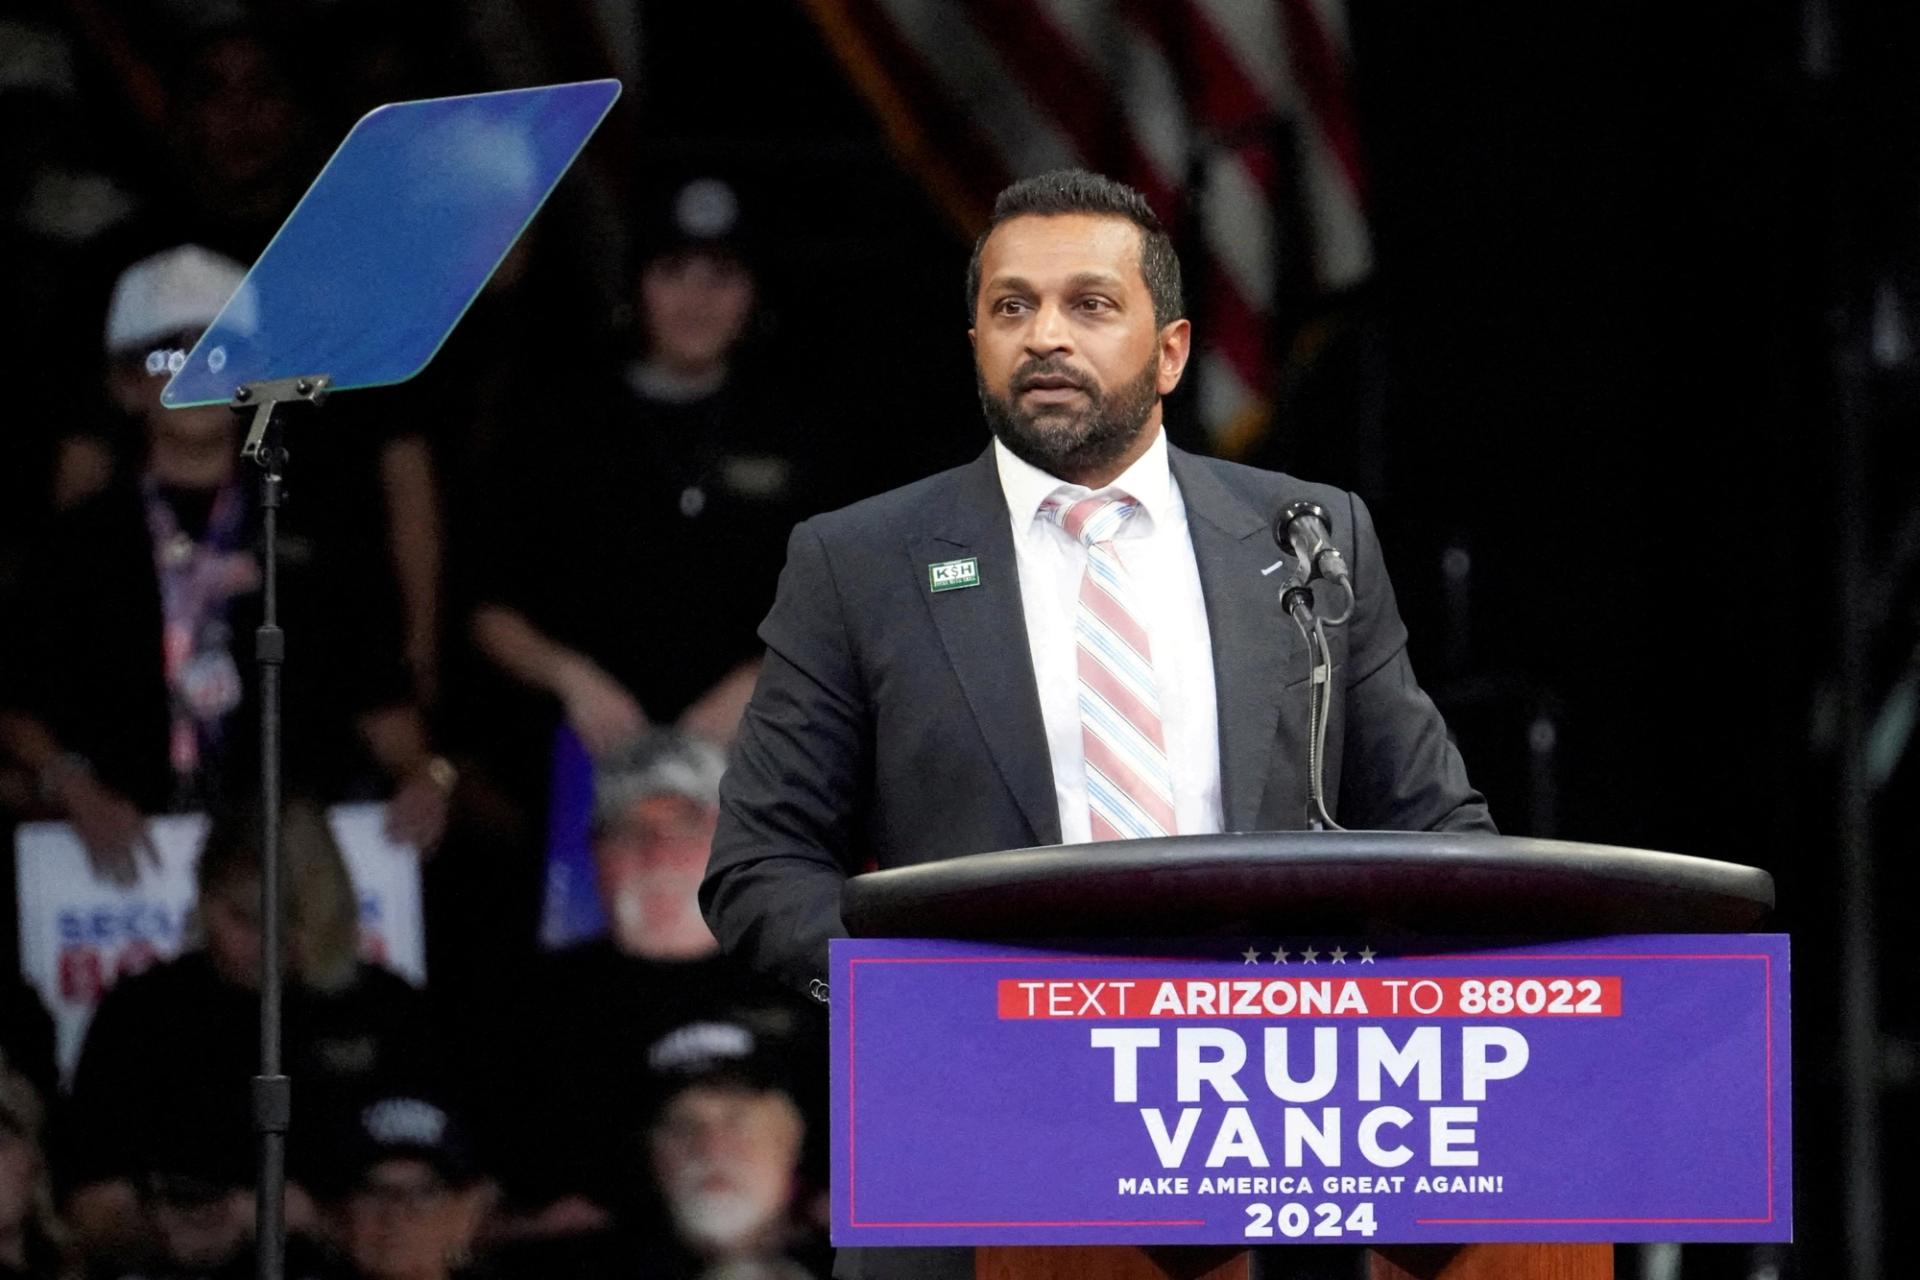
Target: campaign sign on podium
<point>1610,1089</point>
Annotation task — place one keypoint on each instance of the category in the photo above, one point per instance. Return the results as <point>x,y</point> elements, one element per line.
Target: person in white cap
<point>127,670</point>
<point>159,305</point>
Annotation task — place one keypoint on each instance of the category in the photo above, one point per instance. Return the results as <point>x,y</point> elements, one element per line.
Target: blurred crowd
<point>566,530</point>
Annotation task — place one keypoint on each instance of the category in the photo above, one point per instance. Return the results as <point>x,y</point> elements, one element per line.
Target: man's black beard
<point>1063,441</point>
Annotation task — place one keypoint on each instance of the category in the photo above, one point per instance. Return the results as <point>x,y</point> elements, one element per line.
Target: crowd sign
<point>80,934</point>
<point>570,912</point>
<point>1629,1088</point>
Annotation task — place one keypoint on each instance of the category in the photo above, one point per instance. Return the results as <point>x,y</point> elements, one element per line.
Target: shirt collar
<point>1149,482</point>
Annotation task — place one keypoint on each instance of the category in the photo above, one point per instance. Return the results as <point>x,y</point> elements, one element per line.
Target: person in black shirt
<point>126,680</point>
<point>636,547</point>
<point>202,1222</point>
<point>162,1081</point>
<point>725,1153</point>
<point>195,1203</point>
<point>634,529</point>
<point>576,1102</point>
<point>413,1197</point>
<point>721,1185</point>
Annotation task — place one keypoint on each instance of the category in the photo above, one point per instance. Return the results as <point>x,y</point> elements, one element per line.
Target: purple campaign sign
<point>1631,1088</point>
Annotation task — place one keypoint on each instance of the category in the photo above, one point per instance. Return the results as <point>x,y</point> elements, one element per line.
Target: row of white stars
<point>1308,956</point>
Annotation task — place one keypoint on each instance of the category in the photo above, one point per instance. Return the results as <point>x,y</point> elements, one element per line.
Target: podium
<point>1388,887</point>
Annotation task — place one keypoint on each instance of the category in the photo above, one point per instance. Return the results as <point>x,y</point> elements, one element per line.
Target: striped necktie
<point>1129,783</point>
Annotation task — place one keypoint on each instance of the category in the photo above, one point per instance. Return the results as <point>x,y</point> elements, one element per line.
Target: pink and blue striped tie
<point>1129,783</point>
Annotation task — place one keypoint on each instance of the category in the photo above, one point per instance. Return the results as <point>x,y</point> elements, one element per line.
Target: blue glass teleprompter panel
<point>394,240</point>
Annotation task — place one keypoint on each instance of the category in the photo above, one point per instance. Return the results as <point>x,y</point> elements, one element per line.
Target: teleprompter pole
<point>272,1091</point>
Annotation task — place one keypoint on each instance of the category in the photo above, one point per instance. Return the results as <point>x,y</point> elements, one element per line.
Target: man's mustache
<point>1027,374</point>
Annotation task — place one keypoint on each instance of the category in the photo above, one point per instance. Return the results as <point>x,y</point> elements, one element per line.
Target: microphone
<point>1303,528</point>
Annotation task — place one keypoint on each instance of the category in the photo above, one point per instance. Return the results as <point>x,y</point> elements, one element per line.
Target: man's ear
<point>973,339</point>
<point>1176,344</point>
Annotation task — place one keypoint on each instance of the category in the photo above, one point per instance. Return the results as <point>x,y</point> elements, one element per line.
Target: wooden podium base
<point>1109,1262</point>
<point>1493,1262</point>
<point>1404,1262</point>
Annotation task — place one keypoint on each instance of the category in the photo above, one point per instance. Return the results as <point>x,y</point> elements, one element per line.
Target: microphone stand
<point>272,1091</point>
<point>1297,599</point>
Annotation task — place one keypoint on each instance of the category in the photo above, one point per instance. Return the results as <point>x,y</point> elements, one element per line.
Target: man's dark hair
<point>1065,191</point>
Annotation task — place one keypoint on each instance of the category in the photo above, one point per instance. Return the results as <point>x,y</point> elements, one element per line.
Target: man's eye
<point>1009,306</point>
<point>1095,304</point>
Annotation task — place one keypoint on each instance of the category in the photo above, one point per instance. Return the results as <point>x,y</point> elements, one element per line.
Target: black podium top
<point>1372,883</point>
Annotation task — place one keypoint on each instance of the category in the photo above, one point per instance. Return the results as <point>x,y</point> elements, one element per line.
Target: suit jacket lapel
<point>984,631</point>
<point>1255,647</point>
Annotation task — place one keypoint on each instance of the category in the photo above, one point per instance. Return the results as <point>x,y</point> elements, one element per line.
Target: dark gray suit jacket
<point>893,724</point>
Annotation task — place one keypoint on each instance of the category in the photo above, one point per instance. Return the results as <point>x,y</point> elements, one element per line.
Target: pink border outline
<point>853,966</point>
<point>853,1181</point>
<point>1766,960</point>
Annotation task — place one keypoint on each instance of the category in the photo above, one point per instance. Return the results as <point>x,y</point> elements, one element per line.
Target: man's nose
<point>704,1141</point>
<point>1050,331</point>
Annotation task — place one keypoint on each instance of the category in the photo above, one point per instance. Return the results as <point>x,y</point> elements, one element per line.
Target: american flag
<point>1233,118</point>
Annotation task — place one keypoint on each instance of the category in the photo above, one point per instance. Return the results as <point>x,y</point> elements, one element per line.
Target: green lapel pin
<point>951,575</point>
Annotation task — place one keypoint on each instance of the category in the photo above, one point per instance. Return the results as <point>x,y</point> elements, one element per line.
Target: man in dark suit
<point>1070,637</point>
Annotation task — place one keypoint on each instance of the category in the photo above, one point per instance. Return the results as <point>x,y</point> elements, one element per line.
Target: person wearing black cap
<point>414,1198</point>
<point>579,1081</point>
<point>723,1187</point>
<point>637,549</point>
<point>197,1205</point>
<point>161,1083</point>
<point>725,1147</point>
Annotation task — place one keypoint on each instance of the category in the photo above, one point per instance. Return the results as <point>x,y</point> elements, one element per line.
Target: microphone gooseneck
<point>1304,529</point>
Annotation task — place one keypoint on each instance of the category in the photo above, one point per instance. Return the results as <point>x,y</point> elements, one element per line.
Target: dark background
<point>1627,393</point>
<point>1618,349</point>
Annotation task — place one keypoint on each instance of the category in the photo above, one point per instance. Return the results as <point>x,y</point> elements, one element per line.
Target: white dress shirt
<point>1165,595</point>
